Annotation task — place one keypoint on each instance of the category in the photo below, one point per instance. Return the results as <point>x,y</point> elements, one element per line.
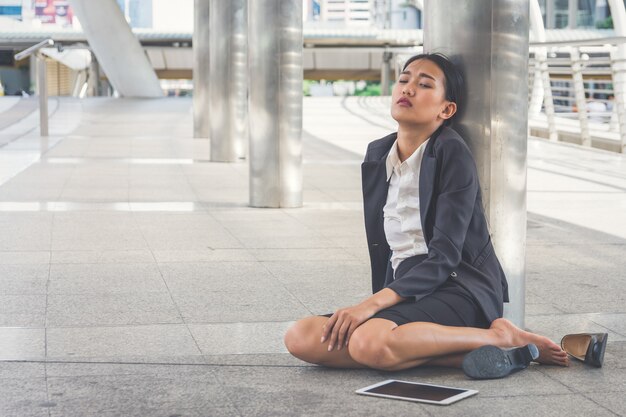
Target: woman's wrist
<point>383,299</point>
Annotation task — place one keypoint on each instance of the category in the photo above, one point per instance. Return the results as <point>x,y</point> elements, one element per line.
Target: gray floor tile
<point>240,338</point>
<point>111,309</point>
<point>151,341</point>
<point>275,303</point>
<point>204,255</point>
<point>23,279</point>
<point>22,370</point>
<point>102,256</point>
<point>135,395</point>
<point>613,401</point>
<point>216,276</point>
<point>301,254</point>
<point>23,397</point>
<point>28,257</point>
<point>105,278</point>
<point>555,327</point>
<point>583,378</point>
<point>22,343</point>
<point>22,310</point>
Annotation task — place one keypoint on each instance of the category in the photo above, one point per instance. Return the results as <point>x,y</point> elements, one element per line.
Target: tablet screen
<point>416,391</point>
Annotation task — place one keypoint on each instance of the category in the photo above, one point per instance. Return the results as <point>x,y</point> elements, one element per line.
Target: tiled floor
<point>135,279</point>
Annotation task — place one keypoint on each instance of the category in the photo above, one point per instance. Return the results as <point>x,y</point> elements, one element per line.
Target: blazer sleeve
<point>454,206</point>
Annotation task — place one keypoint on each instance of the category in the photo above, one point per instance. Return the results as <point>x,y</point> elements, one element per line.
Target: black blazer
<point>453,222</point>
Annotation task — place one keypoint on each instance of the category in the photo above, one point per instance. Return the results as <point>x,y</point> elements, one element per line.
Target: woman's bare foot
<point>512,336</point>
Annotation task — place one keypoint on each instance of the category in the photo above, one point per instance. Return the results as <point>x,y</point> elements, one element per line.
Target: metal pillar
<point>542,90</point>
<point>618,64</point>
<point>275,71</point>
<point>118,50</point>
<point>201,39</point>
<point>579,95</point>
<point>489,40</point>
<point>42,91</point>
<point>227,77</point>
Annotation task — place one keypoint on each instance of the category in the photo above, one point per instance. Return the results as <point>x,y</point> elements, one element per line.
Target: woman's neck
<point>411,137</point>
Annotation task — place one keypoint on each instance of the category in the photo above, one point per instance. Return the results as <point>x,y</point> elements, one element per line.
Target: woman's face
<point>419,96</point>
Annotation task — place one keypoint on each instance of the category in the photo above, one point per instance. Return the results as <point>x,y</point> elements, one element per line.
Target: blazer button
<point>453,275</point>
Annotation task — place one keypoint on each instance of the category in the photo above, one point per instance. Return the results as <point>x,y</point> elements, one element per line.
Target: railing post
<point>618,65</point>
<point>548,101</point>
<point>579,94</point>
<point>42,91</point>
<point>385,73</point>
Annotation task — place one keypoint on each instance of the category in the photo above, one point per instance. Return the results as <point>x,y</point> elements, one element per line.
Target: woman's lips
<point>404,102</point>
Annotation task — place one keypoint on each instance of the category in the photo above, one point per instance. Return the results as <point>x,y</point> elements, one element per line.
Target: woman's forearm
<point>383,299</point>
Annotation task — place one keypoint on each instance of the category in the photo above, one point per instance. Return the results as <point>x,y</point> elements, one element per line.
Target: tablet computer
<point>415,391</point>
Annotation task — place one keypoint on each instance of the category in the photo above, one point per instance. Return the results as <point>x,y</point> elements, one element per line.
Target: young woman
<point>438,288</point>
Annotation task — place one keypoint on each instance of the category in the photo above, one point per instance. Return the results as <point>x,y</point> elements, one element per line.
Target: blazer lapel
<point>427,181</point>
<point>427,186</point>
<point>374,175</point>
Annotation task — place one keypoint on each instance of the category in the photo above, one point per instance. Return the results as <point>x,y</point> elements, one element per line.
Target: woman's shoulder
<point>379,147</point>
<point>450,141</point>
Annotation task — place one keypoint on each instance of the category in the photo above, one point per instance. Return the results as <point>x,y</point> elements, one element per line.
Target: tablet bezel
<point>450,400</point>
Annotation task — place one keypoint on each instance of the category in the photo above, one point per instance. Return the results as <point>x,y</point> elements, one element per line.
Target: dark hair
<point>454,86</point>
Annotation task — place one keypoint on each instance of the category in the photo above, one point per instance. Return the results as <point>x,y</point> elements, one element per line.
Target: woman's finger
<point>343,332</point>
<point>328,327</point>
<point>335,332</point>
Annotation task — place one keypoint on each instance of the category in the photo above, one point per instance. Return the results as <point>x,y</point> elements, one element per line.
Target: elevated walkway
<point>134,279</point>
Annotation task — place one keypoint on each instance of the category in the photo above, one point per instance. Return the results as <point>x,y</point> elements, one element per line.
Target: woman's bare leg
<point>303,340</point>
<point>379,344</point>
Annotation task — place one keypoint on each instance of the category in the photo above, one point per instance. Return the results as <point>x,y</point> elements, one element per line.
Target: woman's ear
<point>448,111</point>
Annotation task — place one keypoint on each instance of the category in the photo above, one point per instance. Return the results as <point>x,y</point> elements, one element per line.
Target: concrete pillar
<point>118,50</point>
<point>275,112</point>
<point>489,40</point>
<point>228,100</point>
<point>201,39</point>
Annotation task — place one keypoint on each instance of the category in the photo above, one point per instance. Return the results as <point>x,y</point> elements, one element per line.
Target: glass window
<point>560,13</point>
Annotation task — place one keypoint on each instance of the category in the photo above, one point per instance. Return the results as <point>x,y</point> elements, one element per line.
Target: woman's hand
<point>342,324</point>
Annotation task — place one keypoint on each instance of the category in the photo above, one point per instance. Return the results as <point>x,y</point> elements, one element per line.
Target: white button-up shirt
<point>403,226</point>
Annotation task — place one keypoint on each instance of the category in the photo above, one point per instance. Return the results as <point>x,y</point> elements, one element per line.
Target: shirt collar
<point>414,161</point>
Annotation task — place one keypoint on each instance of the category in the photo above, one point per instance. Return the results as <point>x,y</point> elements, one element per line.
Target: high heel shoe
<point>490,362</point>
<point>586,347</point>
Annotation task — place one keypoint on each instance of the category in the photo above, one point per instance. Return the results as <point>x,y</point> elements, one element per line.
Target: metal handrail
<point>33,49</point>
<point>42,87</point>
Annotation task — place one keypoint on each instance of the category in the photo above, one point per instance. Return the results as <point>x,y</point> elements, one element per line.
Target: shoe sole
<point>490,362</point>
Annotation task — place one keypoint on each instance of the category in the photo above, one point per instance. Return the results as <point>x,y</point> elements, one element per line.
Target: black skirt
<point>449,305</point>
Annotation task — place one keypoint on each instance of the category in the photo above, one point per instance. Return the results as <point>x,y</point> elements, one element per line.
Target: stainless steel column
<point>201,115</point>
<point>489,40</point>
<point>275,74</point>
<point>42,91</point>
<point>227,76</point>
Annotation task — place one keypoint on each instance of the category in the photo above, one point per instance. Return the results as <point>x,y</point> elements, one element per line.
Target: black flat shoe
<point>586,347</point>
<point>489,362</point>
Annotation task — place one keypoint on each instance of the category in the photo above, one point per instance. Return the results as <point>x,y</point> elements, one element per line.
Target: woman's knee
<point>299,338</point>
<point>371,348</point>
